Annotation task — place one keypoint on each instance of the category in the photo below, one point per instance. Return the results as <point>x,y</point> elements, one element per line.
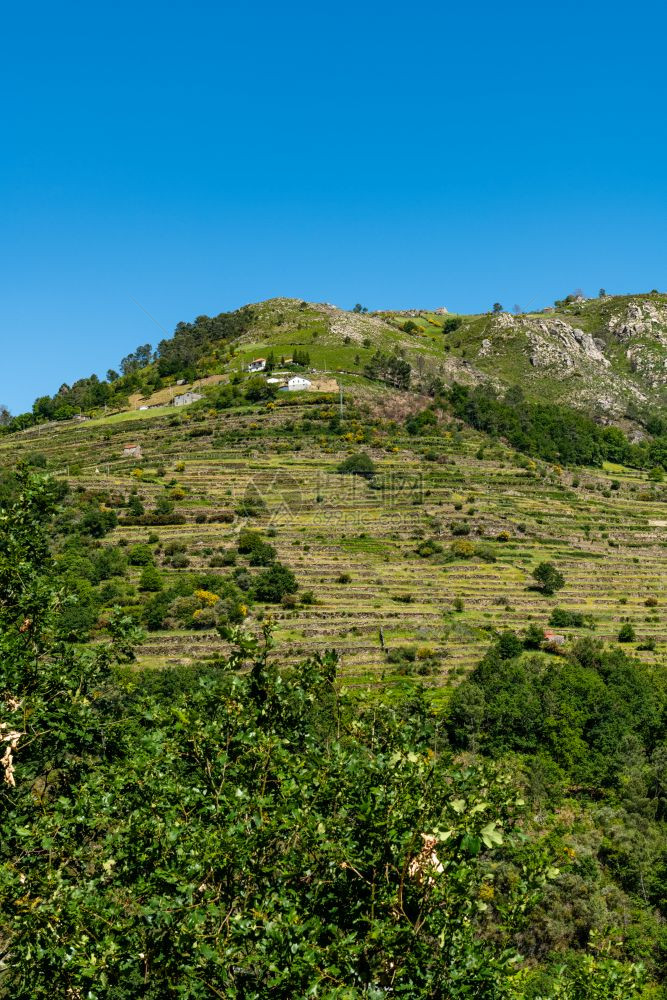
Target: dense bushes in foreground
<point>244,831</point>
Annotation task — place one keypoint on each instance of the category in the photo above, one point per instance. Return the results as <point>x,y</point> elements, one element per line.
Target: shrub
<point>204,618</point>
<point>171,548</point>
<point>462,549</point>
<point>451,324</point>
<point>428,547</point>
<point>155,611</point>
<point>343,578</point>
<point>399,654</point>
<point>259,552</point>
<point>509,645</point>
<point>140,555</point>
<point>485,552</point>
<point>134,505</point>
<point>150,579</point>
<point>548,578</point>
<point>250,507</point>
<point>207,598</point>
<point>223,517</point>
<point>533,637</point>
<point>626,633</point>
<point>561,618</point>
<point>359,464</point>
<point>272,585</point>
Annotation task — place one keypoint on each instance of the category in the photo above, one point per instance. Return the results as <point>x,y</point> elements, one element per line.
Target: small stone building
<point>554,637</point>
<point>132,451</point>
<point>186,398</point>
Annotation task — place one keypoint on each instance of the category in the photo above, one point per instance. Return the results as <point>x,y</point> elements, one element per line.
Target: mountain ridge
<point>605,356</point>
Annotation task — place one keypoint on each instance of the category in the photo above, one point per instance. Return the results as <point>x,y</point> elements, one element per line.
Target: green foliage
<point>97,522</point>
<point>509,645</point>
<point>626,633</point>
<point>421,422</point>
<point>259,552</point>
<point>134,505</point>
<point>533,637</point>
<point>150,579</point>
<point>462,549</point>
<point>274,583</point>
<point>389,368</point>
<point>551,432</point>
<point>301,358</point>
<point>548,578</point>
<point>563,618</point>
<point>243,830</point>
<point>579,709</point>
<point>140,555</point>
<point>359,464</point>
<point>451,324</point>
<point>257,389</point>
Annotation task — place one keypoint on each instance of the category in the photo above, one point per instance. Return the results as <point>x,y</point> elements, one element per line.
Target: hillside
<point>376,555</point>
<point>385,558</point>
<point>606,357</point>
<point>360,683</point>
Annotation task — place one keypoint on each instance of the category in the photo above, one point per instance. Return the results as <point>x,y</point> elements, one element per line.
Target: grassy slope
<point>611,549</point>
<point>341,341</point>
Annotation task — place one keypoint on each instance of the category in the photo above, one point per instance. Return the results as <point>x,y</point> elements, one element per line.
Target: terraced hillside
<point>375,554</point>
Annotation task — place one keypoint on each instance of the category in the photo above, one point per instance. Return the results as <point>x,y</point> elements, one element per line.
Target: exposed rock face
<point>485,348</point>
<point>589,346</point>
<point>642,319</point>
<point>643,328</point>
<point>555,342</point>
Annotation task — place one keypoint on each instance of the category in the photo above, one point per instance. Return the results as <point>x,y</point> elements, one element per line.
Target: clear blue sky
<point>200,155</point>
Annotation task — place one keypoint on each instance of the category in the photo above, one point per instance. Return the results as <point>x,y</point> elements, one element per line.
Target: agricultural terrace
<point>374,556</point>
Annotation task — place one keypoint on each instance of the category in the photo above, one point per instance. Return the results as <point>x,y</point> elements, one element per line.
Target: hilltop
<point>606,357</point>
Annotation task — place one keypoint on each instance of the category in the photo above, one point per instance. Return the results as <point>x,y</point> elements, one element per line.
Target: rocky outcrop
<point>553,342</point>
<point>641,319</point>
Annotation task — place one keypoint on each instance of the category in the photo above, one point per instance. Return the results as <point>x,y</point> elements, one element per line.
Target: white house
<point>298,382</point>
<point>258,365</point>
